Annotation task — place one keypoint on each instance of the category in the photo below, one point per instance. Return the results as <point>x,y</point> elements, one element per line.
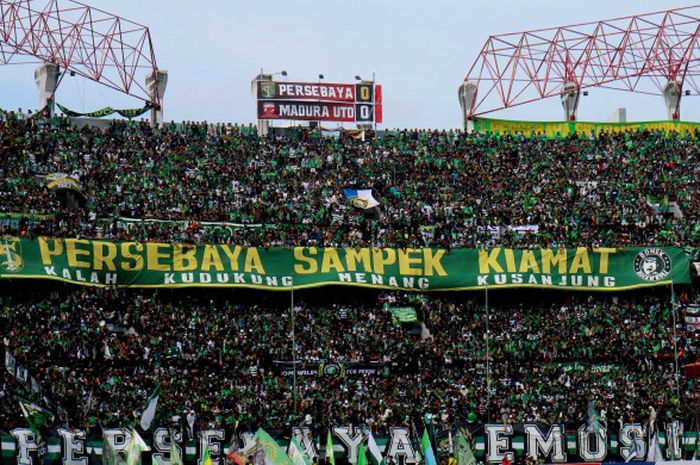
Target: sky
<point>419,51</point>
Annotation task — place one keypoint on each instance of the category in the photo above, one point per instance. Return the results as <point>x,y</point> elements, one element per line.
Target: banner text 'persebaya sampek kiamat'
<point>152,264</point>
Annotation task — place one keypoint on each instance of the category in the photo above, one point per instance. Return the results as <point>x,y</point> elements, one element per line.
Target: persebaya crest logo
<point>332,370</point>
<point>359,203</point>
<point>267,89</point>
<point>11,255</point>
<point>652,264</point>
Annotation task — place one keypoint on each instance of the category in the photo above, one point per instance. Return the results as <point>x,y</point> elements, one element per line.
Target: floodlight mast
<point>653,53</point>
<point>82,40</point>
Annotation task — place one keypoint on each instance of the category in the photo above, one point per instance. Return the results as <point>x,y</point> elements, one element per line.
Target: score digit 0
<point>364,93</point>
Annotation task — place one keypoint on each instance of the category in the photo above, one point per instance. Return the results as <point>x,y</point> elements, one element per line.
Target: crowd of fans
<point>224,356</point>
<point>439,189</point>
<point>99,353</point>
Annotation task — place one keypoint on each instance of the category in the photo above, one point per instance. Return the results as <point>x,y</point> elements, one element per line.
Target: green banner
<point>583,128</point>
<point>403,314</point>
<point>153,264</point>
<point>29,216</point>
<point>107,111</point>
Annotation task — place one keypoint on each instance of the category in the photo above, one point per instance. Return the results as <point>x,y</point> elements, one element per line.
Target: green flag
<point>149,412</point>
<point>134,449</point>
<point>37,418</point>
<point>273,452</point>
<point>403,314</point>
<point>133,452</point>
<point>206,456</point>
<point>659,205</point>
<point>362,455</point>
<point>463,451</point>
<point>109,455</point>
<point>374,452</point>
<point>175,454</point>
<point>427,449</point>
<point>330,456</point>
<point>297,454</point>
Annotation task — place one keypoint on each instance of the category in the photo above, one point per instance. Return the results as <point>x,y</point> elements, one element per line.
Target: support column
<point>672,98</point>
<point>467,95</point>
<point>156,84</point>
<point>263,125</point>
<point>569,100</point>
<point>46,79</point>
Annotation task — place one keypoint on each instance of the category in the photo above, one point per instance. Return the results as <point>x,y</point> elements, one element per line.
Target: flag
<point>330,456</point>
<point>88,404</point>
<point>419,457</point>
<point>175,454</point>
<point>133,452</point>
<point>692,317</point>
<point>360,198</point>
<point>10,360</point>
<point>428,420</point>
<point>37,418</point>
<point>149,413</point>
<point>654,454</point>
<point>374,451</point>
<point>427,449</point>
<point>273,452</point>
<point>463,451</point>
<point>206,456</point>
<point>362,454</point>
<point>134,449</point>
<point>594,420</point>
<point>296,453</point>
<point>658,205</point>
<point>403,314</point>
<point>109,455</point>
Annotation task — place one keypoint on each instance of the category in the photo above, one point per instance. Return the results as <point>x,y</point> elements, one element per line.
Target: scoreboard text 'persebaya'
<point>316,101</point>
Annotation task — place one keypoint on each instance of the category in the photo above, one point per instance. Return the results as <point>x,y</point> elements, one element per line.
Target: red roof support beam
<point>640,53</point>
<point>87,41</point>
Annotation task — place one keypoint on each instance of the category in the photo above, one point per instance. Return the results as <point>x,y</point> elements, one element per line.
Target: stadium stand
<point>543,356</point>
<point>520,292</point>
<point>466,190</point>
<point>550,355</point>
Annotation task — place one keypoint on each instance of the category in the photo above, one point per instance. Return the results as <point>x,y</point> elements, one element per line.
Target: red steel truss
<point>87,41</point>
<point>636,53</point>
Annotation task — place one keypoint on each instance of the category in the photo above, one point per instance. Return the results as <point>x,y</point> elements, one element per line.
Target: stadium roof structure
<point>80,39</point>
<point>642,53</point>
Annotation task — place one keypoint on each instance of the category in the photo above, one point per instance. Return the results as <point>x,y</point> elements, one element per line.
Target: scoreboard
<point>315,101</point>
